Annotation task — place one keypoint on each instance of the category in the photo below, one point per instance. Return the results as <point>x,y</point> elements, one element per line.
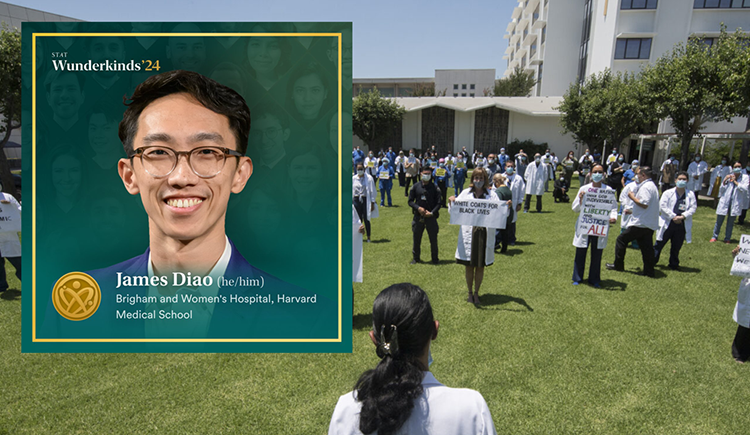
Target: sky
<point>391,38</point>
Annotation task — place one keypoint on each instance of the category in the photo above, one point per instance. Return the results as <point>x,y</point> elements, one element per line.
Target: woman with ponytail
<point>400,395</point>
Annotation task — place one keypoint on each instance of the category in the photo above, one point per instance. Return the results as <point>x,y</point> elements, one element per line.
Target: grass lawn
<point>638,356</point>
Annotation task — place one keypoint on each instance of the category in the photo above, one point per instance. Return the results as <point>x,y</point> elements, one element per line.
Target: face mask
<point>523,159</point>
<point>491,161</point>
<point>547,154</point>
<point>426,177</point>
<point>372,155</point>
<point>737,170</point>
<point>502,151</point>
<point>614,153</point>
<point>620,159</point>
<point>597,177</point>
<point>587,153</point>
<point>723,162</point>
<point>681,183</point>
<point>562,178</point>
<point>537,159</point>
<point>360,172</point>
<point>411,155</point>
<point>509,171</point>
<point>697,159</point>
<point>442,165</point>
<point>478,183</point>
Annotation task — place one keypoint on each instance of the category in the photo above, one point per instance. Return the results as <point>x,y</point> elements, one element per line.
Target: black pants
<point>645,239</point>
<point>410,180</point>
<point>361,207</point>
<point>16,262</point>
<point>742,217</point>
<point>741,344</point>
<point>443,190</point>
<point>418,226</point>
<point>401,178</point>
<point>675,234</point>
<point>527,203</point>
<point>579,265</point>
<point>502,237</point>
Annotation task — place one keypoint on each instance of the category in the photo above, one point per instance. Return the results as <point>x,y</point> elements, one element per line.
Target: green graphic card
<point>188,187</point>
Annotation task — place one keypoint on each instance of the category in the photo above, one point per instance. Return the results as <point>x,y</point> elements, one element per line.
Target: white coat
<point>736,193</point>
<point>463,250</point>
<point>400,161</point>
<point>696,169</point>
<point>666,212</point>
<point>372,171</point>
<point>626,203</point>
<point>720,172</point>
<point>535,177</point>
<point>583,241</point>
<point>742,308</point>
<point>10,246</point>
<point>371,195</point>
<point>746,195</point>
<point>517,188</point>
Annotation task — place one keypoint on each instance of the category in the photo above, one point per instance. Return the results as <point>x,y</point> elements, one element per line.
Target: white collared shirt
<point>648,195</point>
<point>197,327</point>
<point>439,410</point>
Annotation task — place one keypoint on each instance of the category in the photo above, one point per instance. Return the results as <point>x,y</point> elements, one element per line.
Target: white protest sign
<point>384,175</point>
<point>741,264</point>
<point>10,218</point>
<point>594,217</point>
<point>479,213</point>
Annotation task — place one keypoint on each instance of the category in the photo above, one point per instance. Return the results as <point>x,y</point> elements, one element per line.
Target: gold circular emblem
<point>76,296</point>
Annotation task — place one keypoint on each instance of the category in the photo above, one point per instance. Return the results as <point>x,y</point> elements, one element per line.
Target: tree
<point>426,90</point>
<point>696,83</point>
<point>517,84</point>
<point>607,107</point>
<point>10,97</point>
<point>374,118</point>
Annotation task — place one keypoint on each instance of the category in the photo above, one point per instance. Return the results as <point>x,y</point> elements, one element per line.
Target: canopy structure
<point>532,106</point>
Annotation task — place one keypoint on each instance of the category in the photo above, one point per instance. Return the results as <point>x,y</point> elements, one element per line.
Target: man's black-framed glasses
<point>206,162</point>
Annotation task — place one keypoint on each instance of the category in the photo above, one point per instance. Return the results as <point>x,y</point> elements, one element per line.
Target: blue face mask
<point>597,177</point>
<point>681,183</point>
<point>509,171</point>
<point>737,170</point>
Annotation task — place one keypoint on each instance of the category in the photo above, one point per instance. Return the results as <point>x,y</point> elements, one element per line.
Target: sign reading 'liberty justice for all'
<point>594,217</point>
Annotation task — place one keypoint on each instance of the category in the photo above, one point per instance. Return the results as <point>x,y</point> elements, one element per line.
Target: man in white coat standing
<point>641,225</point>
<point>536,175</point>
<point>676,209</point>
<point>696,169</point>
<point>517,188</point>
<point>733,188</point>
<point>363,196</point>
<point>10,246</point>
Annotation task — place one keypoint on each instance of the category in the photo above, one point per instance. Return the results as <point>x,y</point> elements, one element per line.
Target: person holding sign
<point>412,171</point>
<point>385,181</point>
<point>641,224</point>
<point>517,186</point>
<point>371,165</point>
<point>595,201</point>
<point>741,343</point>
<point>733,188</point>
<point>10,246</point>
<point>442,174</point>
<point>459,174</point>
<point>476,245</point>
<point>677,207</point>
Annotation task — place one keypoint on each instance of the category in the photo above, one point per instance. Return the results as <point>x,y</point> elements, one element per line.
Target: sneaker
<point>713,239</point>
<point>611,266</point>
<point>576,282</point>
<point>414,261</point>
<point>727,242</point>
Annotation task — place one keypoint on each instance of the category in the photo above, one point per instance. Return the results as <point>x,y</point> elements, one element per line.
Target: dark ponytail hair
<point>403,326</point>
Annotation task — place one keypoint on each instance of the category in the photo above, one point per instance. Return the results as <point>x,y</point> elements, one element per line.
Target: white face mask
<point>426,177</point>
<point>360,172</point>
<point>478,183</point>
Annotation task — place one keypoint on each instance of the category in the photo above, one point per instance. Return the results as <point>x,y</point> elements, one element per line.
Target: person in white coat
<point>476,245</point>
<point>401,168</point>
<point>745,197</point>
<point>717,175</point>
<point>597,244</point>
<point>733,188</point>
<point>517,188</point>
<point>10,246</point>
<point>371,165</point>
<point>400,395</point>
<point>741,343</point>
<point>536,175</point>
<point>363,196</point>
<point>676,209</point>
<point>696,169</point>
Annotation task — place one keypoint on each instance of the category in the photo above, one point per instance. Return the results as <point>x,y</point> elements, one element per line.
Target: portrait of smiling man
<point>185,138</point>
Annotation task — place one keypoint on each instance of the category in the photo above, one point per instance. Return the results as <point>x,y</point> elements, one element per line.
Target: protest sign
<point>595,210</point>
<point>10,218</point>
<point>741,263</point>
<point>479,213</point>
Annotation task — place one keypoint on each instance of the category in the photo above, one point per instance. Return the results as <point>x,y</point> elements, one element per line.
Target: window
<point>544,34</point>
<point>637,48</point>
<point>471,95</point>
<point>463,94</point>
<point>539,80</point>
<point>720,4</point>
<point>638,4</point>
<point>585,35</point>
<point>455,87</point>
<point>471,86</point>
<point>708,42</point>
<point>455,95</point>
<point>463,86</point>
<point>532,51</point>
